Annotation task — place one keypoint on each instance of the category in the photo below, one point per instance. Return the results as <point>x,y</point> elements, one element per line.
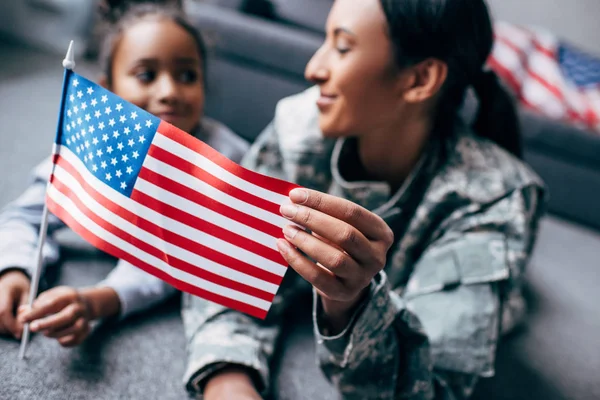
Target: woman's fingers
<point>330,257</point>
<point>366,222</point>
<point>80,326</point>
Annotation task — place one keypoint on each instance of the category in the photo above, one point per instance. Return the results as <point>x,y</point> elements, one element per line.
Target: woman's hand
<point>348,243</point>
<point>14,291</point>
<point>61,313</point>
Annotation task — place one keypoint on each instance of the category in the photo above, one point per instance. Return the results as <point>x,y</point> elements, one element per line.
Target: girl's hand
<point>348,243</point>
<point>61,313</point>
<point>232,383</point>
<point>14,291</point>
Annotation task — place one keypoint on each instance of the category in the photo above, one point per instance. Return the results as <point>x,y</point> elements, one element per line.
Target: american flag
<point>142,190</point>
<point>548,75</point>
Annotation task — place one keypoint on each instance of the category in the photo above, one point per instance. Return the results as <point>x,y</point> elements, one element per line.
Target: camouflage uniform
<point>465,223</point>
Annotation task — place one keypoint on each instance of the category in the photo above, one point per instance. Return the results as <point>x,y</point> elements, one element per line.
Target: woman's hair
<point>459,33</point>
<point>119,15</point>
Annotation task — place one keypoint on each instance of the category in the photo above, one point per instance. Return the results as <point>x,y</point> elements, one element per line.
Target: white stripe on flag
<point>107,236</point>
<point>177,227</point>
<point>204,163</point>
<point>168,171</point>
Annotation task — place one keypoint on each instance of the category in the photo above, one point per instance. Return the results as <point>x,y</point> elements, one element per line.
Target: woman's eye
<point>188,76</point>
<point>146,76</point>
<point>342,50</point>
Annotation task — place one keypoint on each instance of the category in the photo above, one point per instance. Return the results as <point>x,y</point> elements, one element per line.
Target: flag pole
<point>69,64</point>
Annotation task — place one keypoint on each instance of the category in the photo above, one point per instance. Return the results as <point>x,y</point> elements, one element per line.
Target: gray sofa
<point>255,62</point>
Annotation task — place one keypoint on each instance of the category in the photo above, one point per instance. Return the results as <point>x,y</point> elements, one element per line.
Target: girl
<point>419,227</point>
<point>156,60</point>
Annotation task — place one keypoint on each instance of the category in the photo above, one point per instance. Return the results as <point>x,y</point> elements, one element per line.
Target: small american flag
<point>547,75</point>
<point>142,190</point>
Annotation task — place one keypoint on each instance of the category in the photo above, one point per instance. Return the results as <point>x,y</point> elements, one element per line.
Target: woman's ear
<point>425,80</point>
<point>103,81</point>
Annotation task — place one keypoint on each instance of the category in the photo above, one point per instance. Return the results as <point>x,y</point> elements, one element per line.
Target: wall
<point>575,20</point>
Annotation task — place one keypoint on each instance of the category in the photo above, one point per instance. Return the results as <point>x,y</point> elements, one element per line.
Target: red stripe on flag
<point>266,182</point>
<point>169,236</point>
<point>116,252</point>
<point>205,201</point>
<point>167,258</point>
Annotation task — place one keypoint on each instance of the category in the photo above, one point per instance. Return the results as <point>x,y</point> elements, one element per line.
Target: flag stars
<point>94,168</point>
<point>122,118</point>
<point>123,185</point>
<point>107,110</point>
<point>79,121</point>
<point>79,94</point>
<point>124,158</point>
<point>91,129</point>
<point>72,98</point>
<point>138,127</point>
<point>133,115</point>
<point>103,165</point>
<point>108,176</point>
<point>99,153</point>
<point>83,133</point>
<point>109,149</point>
<point>94,102</point>
<point>69,113</point>
<point>126,130</point>
<point>83,105</point>
<point>120,146</point>
<point>142,139</point>
<point>90,90</point>
<point>95,141</point>
<point>135,155</point>
<point>118,173</point>
<point>101,125</point>
<point>131,143</point>
<point>68,128</point>
<point>87,118</point>
<point>68,141</point>
<point>148,123</point>
<point>104,98</point>
<point>90,156</point>
<point>111,122</point>
<point>116,134</point>
<point>75,82</point>
<point>97,114</point>
<point>87,144</point>
<point>114,161</point>
<point>75,109</point>
<point>77,135</point>
<point>105,138</point>
<point>72,124</point>
<point>119,107</point>
<point>84,158</point>
<point>129,170</point>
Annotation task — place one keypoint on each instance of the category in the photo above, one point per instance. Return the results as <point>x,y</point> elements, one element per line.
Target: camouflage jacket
<point>465,222</point>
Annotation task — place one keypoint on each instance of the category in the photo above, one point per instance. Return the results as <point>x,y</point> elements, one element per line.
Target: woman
<point>418,227</point>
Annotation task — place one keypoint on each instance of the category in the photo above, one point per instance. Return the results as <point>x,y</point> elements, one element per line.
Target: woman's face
<point>355,71</point>
<point>156,66</point>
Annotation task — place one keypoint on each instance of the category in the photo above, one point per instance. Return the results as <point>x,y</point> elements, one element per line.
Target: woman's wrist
<point>229,381</point>
<point>101,302</point>
<point>337,315</point>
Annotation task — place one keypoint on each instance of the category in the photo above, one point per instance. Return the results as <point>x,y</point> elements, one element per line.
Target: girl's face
<point>156,66</point>
<point>355,71</point>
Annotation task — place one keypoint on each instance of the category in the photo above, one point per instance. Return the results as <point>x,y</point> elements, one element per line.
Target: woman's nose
<point>316,70</point>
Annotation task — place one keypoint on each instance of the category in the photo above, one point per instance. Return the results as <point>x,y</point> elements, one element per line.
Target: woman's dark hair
<point>459,33</point>
<point>118,15</point>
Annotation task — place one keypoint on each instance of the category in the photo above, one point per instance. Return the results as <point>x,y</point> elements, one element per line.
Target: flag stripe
<point>105,235</point>
<point>185,146</point>
<point>177,257</point>
<point>212,198</point>
<point>142,211</point>
<point>211,235</point>
<point>252,205</point>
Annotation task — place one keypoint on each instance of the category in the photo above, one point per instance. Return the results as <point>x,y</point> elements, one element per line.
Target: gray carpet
<point>555,357</point>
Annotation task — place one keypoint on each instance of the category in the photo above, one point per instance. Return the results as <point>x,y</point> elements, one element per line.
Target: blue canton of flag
<point>109,135</point>
<point>582,68</point>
